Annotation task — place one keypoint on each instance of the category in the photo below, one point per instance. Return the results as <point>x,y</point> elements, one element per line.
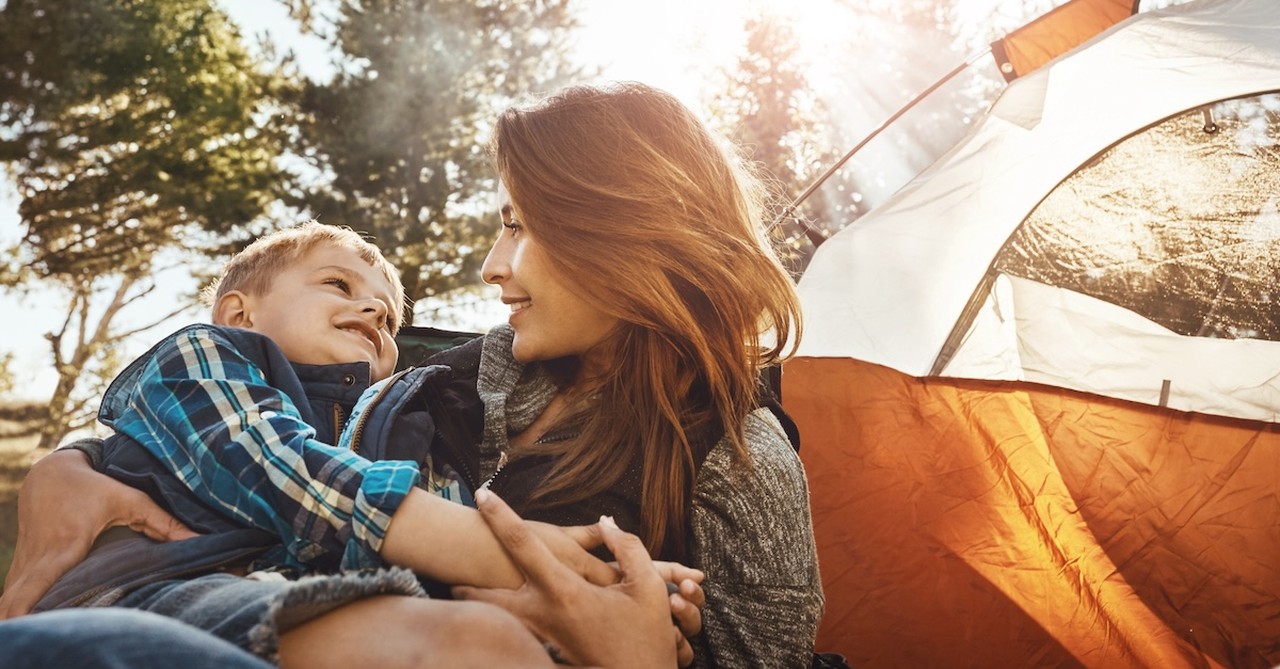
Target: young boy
<point>242,414</point>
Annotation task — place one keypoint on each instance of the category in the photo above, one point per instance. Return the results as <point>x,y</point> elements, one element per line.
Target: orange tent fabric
<point>1056,33</point>
<point>992,524</point>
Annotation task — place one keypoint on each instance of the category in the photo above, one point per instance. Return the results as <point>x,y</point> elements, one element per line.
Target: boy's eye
<point>340,283</point>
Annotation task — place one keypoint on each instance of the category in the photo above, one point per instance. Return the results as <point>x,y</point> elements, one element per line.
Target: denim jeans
<point>252,614</point>
<point>113,638</point>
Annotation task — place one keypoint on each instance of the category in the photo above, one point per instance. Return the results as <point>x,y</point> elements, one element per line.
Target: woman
<point>641,290</point>
<point>645,302</point>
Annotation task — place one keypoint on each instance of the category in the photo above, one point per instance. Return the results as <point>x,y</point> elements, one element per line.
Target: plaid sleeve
<point>241,445</point>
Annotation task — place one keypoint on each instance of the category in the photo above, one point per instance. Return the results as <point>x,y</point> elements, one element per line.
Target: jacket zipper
<point>364,415</point>
<point>503,460</point>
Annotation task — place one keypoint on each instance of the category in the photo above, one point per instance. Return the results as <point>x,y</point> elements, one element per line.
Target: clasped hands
<point>607,618</point>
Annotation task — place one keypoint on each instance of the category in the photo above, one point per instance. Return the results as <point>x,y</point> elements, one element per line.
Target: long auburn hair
<point>659,225</point>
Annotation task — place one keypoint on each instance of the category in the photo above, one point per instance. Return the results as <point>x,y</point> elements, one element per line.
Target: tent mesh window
<point>1179,223</point>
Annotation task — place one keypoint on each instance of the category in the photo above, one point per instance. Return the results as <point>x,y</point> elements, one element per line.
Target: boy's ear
<point>232,309</point>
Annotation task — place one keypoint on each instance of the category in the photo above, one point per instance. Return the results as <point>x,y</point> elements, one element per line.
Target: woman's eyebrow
<point>507,212</point>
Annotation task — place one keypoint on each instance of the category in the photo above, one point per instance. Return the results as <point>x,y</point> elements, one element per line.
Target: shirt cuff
<point>385,484</point>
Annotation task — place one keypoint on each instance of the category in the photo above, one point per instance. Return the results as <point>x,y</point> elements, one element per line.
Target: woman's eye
<point>340,283</point>
<point>514,226</point>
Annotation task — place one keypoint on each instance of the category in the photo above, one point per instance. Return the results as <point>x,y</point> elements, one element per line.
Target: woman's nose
<point>496,267</point>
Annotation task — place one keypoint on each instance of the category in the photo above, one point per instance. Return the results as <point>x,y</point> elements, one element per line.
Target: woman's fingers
<point>684,651</point>
<point>687,616</point>
<point>530,555</point>
<point>634,563</point>
<point>693,593</point>
<point>675,572</point>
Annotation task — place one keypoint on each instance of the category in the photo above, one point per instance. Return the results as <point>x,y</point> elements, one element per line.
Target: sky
<point>672,44</point>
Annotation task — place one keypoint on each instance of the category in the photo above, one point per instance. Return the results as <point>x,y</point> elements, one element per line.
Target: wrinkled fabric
<point>1001,524</point>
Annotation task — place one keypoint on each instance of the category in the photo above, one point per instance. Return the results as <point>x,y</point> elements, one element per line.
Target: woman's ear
<point>232,308</point>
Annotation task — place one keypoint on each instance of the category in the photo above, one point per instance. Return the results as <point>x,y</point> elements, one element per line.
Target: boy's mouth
<point>365,331</point>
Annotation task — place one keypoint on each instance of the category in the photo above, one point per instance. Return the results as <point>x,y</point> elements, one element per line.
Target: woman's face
<point>550,318</point>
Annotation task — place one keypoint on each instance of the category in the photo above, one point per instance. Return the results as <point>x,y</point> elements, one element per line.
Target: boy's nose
<point>377,308</point>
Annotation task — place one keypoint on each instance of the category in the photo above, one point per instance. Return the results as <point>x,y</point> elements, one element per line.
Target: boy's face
<point>330,306</point>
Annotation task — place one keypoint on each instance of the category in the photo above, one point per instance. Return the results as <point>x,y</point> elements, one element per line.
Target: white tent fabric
<point>890,288</point>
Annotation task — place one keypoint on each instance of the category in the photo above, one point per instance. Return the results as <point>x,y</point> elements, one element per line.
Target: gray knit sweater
<point>752,534</point>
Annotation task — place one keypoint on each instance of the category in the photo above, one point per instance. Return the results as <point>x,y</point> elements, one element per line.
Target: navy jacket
<point>399,425</point>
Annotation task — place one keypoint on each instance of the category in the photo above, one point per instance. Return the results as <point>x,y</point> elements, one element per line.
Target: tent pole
<point>817,236</point>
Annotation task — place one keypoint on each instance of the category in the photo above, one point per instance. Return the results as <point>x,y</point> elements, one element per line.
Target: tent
<point>1039,387</point>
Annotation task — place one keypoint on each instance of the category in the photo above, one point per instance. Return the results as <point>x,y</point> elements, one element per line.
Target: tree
<point>398,135</point>
<point>131,129</point>
<point>769,109</point>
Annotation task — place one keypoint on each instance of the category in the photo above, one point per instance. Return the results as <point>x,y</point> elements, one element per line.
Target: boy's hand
<point>627,624</point>
<point>63,506</point>
<point>570,545</point>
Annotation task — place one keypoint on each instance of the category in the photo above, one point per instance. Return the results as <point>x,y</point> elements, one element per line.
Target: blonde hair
<point>254,268</point>
<point>658,224</point>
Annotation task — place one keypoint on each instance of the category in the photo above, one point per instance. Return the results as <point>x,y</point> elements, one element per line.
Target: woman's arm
<point>56,527</point>
<point>753,537</point>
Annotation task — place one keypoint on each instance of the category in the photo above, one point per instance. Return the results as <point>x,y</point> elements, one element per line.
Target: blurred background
<point>144,141</point>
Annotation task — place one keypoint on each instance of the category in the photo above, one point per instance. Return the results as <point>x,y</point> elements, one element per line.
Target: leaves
<point>399,133</point>
<point>130,124</point>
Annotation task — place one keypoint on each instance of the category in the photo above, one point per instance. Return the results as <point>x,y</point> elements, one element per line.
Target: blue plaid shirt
<point>208,413</point>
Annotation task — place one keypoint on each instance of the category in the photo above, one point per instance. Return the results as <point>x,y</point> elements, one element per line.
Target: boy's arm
<point>453,544</point>
<point>207,412</point>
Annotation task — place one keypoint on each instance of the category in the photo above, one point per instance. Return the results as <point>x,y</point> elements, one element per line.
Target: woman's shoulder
<point>766,441</point>
<point>774,466</point>
<point>744,512</point>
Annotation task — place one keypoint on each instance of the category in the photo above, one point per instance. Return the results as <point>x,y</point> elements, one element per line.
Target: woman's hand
<point>623,625</point>
<point>569,544</point>
<point>63,506</point>
<point>686,605</point>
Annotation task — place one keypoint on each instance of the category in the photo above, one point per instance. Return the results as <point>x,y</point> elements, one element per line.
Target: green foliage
<point>398,135</point>
<point>126,125</point>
